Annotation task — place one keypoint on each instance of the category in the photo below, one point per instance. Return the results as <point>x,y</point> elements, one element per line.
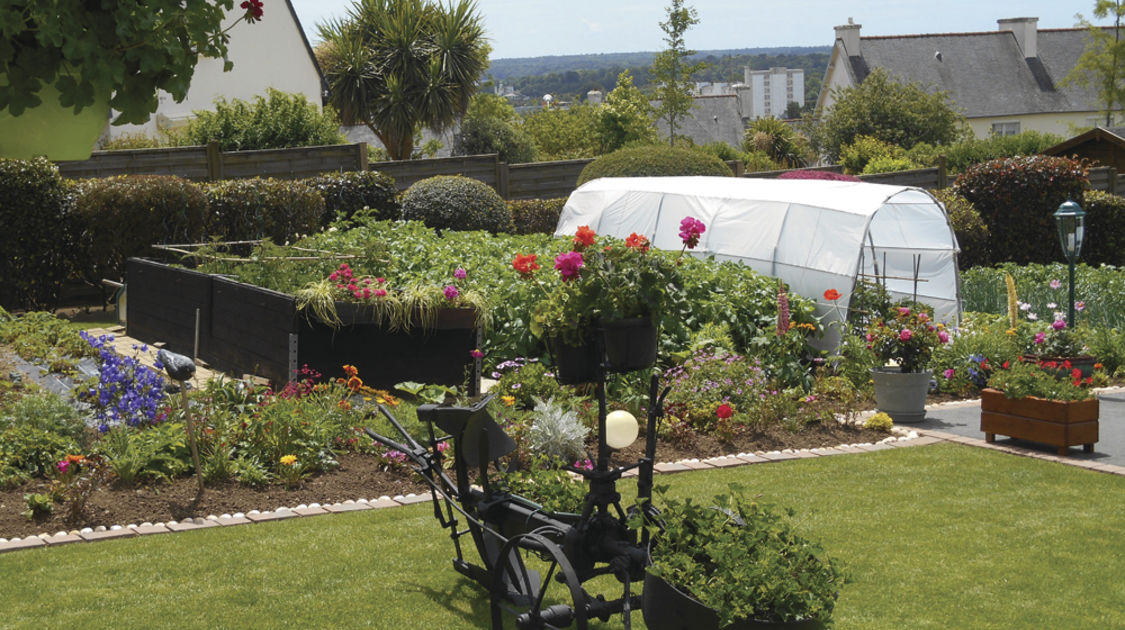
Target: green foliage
<point>38,505</point>
<point>625,117</point>
<point>879,422</point>
<point>1105,229</point>
<point>346,193</point>
<point>908,339</point>
<point>87,50</point>
<point>277,121</point>
<point>525,382</point>
<point>671,69</point>
<point>1022,379</point>
<point>856,155</point>
<point>453,202</point>
<point>556,432</point>
<point>122,216</point>
<point>745,560</point>
<point>964,153</point>
<point>1107,344</point>
<point>971,231</point>
<point>39,335</point>
<point>979,344</point>
<point>242,209</point>
<point>653,161</point>
<point>491,106</point>
<point>1016,198</point>
<point>1044,289</point>
<point>48,412</point>
<point>545,482</point>
<point>34,450</point>
<point>888,164</point>
<point>37,233</point>
<point>154,453</point>
<point>902,114</point>
<point>777,139</point>
<point>126,141</point>
<point>531,216</point>
<point>708,379</point>
<point>401,65</point>
<point>1101,63</point>
<point>481,136</point>
<point>564,134</point>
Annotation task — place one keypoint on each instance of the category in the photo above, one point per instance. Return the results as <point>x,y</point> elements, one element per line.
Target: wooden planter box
<point>247,329</point>
<point>1059,423</point>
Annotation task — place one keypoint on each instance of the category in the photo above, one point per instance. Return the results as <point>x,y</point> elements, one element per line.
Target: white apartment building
<point>768,92</point>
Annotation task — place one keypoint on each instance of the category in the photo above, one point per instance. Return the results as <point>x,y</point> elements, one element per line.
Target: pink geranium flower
<point>459,273</point>
<point>1059,324</point>
<point>569,264</point>
<point>905,334</point>
<point>451,292</point>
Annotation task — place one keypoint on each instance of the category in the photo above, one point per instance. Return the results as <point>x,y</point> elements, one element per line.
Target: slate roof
<point>711,119</point>
<point>985,73</point>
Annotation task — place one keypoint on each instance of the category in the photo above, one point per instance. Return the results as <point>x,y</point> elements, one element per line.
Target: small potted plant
<point>907,340</point>
<point>1055,342</point>
<point>1052,403</point>
<point>736,565</point>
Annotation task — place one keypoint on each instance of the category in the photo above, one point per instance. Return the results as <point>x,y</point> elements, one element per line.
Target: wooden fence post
<point>214,162</point>
<point>361,156</point>
<point>942,175</point>
<point>1111,183</point>
<point>502,175</point>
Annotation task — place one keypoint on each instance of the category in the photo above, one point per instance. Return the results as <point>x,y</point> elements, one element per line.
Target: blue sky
<point>532,28</point>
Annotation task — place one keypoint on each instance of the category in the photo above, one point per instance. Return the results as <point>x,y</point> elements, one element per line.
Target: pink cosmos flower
<point>869,337</point>
<point>380,280</point>
<point>1056,283</point>
<point>1079,305</point>
<point>943,336</point>
<point>569,265</point>
<point>923,317</point>
<point>451,292</point>
<point>905,334</point>
<point>459,273</point>
<point>63,466</point>
<point>1059,324</point>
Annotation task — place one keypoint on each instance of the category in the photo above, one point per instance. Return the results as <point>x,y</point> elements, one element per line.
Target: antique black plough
<point>536,564</point>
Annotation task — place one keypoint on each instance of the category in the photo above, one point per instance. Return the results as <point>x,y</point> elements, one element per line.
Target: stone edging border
<point>903,438</point>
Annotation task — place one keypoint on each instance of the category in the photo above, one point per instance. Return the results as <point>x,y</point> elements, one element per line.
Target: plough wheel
<point>534,581</point>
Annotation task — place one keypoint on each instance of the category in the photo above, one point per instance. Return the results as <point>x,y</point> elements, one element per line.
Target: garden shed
<point>815,235</point>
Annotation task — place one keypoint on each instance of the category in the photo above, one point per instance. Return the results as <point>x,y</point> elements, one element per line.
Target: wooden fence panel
<point>1104,178</point>
<point>187,162</point>
<point>544,180</point>
<point>293,163</point>
<point>406,172</point>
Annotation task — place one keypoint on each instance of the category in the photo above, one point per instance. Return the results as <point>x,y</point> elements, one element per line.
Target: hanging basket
<point>630,344</point>
<point>574,364</point>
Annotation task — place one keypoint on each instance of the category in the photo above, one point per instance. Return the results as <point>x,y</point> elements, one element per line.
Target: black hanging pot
<point>574,364</point>
<point>667,608</point>
<point>630,344</point>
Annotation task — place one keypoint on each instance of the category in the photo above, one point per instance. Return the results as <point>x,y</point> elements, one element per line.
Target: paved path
<point>962,419</point>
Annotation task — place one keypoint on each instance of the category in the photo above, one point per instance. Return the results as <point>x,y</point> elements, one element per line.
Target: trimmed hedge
<point>1105,229</point>
<point>345,193</point>
<point>36,234</point>
<point>243,209</point>
<point>453,202</point>
<point>536,216</point>
<point>655,160</point>
<point>122,216</point>
<point>1016,197</point>
<point>971,231</point>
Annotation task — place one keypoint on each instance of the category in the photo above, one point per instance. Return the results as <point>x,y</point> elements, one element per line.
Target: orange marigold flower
<point>584,237</point>
<point>1098,366</point>
<point>76,459</point>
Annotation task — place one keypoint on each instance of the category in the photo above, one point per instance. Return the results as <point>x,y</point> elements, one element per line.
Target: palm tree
<point>399,65</point>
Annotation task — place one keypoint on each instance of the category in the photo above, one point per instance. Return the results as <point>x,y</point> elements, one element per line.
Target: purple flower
<point>1059,324</point>
<point>451,292</point>
<point>1040,337</point>
<point>569,265</point>
<point>64,465</point>
<point>459,273</point>
<point>690,231</point>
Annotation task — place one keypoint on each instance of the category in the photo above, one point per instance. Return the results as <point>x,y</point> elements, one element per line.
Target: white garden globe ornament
<point>620,429</point>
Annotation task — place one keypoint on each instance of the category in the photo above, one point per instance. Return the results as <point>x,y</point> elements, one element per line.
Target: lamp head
<point>621,429</point>
<point>1070,220</point>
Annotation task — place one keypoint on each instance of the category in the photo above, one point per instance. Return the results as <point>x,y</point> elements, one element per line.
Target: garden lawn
<point>941,536</point>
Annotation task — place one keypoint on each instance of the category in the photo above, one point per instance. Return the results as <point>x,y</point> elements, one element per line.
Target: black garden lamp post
<point>1070,220</point>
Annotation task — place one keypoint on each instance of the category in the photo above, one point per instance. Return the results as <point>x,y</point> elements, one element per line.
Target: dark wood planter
<point>248,329</point>
<point>1056,422</point>
<point>667,608</point>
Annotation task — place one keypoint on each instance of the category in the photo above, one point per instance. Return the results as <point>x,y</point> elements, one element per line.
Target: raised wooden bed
<point>1059,423</point>
<point>248,329</point>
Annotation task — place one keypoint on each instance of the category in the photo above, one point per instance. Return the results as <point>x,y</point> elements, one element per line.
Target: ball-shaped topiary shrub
<point>1017,197</point>
<point>345,193</point>
<point>122,216</point>
<point>453,202</point>
<point>654,160</point>
<point>972,233</point>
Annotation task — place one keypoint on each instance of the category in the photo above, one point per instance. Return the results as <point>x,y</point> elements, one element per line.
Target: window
<point>1005,128</point>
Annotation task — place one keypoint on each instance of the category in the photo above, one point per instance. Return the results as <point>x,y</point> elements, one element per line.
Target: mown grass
<point>941,536</point>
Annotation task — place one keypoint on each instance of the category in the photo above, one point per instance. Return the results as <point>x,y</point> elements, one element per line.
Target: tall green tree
<point>671,69</point>
<point>902,114</point>
<point>564,134</point>
<point>400,65</point>
<point>1102,63</point>
<point>625,117</point>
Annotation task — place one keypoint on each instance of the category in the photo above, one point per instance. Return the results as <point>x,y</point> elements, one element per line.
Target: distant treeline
<point>571,77</point>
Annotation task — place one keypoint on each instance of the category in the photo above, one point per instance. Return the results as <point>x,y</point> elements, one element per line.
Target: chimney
<point>1025,30</point>
<point>849,35</point>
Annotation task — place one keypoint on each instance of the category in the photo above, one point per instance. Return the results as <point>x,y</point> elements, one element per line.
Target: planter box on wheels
<point>1056,422</point>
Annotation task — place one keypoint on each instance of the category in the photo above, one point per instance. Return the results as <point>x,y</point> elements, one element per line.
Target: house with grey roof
<point>716,118</point>
<point>1003,81</point>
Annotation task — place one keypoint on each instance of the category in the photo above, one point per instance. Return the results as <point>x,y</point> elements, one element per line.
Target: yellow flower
<point>508,400</point>
<point>288,460</point>
<point>1011,331</point>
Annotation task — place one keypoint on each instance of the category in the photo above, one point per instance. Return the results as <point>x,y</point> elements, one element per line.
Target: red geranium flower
<point>832,295</point>
<point>724,411</point>
<point>525,265</point>
<point>636,241</point>
<point>583,238</point>
<point>253,10</point>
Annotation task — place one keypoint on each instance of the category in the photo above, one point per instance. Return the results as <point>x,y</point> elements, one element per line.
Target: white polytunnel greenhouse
<point>813,234</point>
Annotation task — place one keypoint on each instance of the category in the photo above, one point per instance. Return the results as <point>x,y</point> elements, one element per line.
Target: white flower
<point>1025,306</point>
<point>1052,305</point>
<point>1032,316</point>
